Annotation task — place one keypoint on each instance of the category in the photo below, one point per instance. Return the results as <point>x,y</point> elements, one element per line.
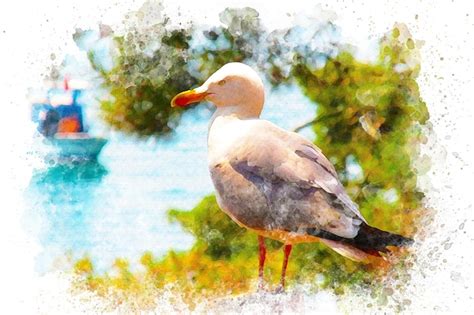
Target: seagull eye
<point>221,82</point>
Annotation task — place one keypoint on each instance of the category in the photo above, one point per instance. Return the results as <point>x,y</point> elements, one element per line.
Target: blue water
<point>117,207</point>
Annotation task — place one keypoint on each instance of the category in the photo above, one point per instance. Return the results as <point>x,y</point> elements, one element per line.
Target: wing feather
<point>276,154</point>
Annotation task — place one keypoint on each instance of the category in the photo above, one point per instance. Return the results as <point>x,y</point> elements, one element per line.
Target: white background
<point>30,31</point>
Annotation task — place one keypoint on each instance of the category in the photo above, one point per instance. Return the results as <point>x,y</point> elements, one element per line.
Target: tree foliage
<point>370,126</point>
<point>374,118</point>
<point>154,60</point>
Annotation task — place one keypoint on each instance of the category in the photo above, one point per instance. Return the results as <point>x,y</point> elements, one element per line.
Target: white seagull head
<point>235,86</point>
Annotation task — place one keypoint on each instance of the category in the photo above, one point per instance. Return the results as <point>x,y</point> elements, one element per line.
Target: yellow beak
<point>185,98</point>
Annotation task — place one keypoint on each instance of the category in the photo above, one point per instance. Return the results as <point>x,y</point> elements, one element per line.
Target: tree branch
<point>315,121</point>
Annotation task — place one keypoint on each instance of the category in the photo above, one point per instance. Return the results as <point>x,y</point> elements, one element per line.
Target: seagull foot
<point>262,287</point>
<point>279,290</point>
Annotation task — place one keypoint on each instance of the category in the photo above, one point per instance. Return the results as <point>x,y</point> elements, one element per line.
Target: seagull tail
<point>372,239</point>
<point>369,242</point>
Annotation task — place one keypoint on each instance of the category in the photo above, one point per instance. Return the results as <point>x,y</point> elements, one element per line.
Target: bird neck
<point>236,111</point>
<point>225,129</point>
<point>227,125</point>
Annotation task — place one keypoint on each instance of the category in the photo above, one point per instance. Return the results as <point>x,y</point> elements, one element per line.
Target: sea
<point>117,206</point>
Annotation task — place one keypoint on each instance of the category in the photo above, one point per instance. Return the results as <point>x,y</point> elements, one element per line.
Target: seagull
<point>275,182</point>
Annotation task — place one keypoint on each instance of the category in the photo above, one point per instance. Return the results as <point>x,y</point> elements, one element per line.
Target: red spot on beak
<point>187,97</point>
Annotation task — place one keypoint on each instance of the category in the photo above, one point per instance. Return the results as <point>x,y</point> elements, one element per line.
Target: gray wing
<point>274,157</point>
<point>327,179</point>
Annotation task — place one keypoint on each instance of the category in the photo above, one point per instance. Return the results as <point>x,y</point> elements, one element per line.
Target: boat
<point>76,146</point>
<point>60,120</point>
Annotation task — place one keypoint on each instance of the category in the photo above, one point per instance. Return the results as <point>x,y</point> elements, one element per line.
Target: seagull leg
<point>286,251</point>
<point>261,261</point>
